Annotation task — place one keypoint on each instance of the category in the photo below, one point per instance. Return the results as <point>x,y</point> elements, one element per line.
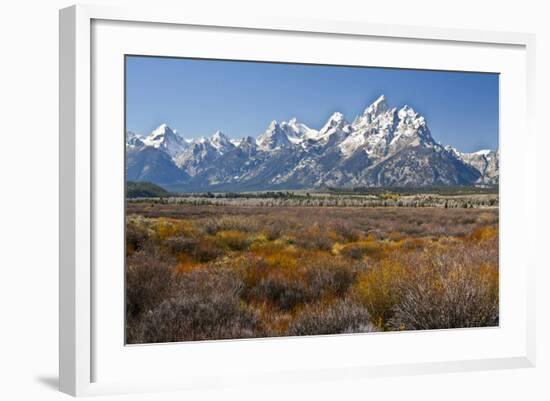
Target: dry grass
<point>210,272</point>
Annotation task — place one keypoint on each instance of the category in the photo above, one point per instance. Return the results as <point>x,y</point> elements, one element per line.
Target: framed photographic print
<point>276,200</point>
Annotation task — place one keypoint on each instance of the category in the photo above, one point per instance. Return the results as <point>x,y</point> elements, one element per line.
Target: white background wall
<point>29,187</point>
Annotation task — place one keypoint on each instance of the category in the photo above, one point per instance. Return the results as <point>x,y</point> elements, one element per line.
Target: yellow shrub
<point>269,248</point>
<point>413,244</point>
<point>395,236</point>
<point>233,239</point>
<point>377,289</point>
<point>357,250</point>
<point>173,227</point>
<point>337,248</point>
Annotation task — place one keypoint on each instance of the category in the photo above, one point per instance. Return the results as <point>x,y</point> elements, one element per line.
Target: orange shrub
<point>186,263</point>
<point>203,272</point>
<point>484,234</point>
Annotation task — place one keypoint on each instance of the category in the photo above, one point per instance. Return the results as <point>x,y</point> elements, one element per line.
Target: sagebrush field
<point>209,272</point>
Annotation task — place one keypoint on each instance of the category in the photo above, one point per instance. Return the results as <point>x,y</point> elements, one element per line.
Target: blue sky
<point>198,97</point>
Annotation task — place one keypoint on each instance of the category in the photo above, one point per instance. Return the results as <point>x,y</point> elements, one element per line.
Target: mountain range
<point>384,146</point>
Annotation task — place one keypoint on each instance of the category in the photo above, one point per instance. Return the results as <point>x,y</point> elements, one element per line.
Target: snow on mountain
<point>411,130</point>
<point>221,142</point>
<point>133,141</point>
<point>372,131</point>
<point>298,132</point>
<point>164,138</point>
<point>383,146</point>
<point>485,161</point>
<point>247,143</point>
<point>335,121</point>
<point>483,152</point>
<point>280,135</point>
<point>153,165</point>
<point>130,135</point>
<point>274,138</point>
<point>202,151</point>
<point>336,129</point>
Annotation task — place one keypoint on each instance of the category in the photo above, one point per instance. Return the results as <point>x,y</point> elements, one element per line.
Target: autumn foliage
<point>213,272</point>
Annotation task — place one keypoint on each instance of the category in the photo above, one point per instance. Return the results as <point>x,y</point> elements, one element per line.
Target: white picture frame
<point>80,344</point>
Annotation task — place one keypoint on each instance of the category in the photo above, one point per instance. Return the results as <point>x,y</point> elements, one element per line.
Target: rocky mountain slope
<point>384,146</point>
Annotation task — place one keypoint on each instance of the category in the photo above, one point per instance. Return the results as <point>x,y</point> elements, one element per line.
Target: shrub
<point>413,244</point>
<point>180,244</point>
<point>331,276</point>
<point>448,290</point>
<point>377,288</point>
<point>228,223</point>
<point>287,288</point>
<point>487,218</point>
<point>233,239</point>
<point>484,234</point>
<point>357,250</point>
<point>313,238</point>
<point>206,305</point>
<point>440,288</point>
<point>281,290</point>
<point>199,272</point>
<point>273,321</point>
<point>137,234</point>
<point>186,263</point>
<point>345,229</point>
<point>274,229</point>
<point>149,280</point>
<point>166,228</point>
<point>343,316</point>
<point>206,250</point>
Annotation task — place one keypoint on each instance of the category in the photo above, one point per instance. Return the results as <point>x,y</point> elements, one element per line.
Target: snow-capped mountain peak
<point>130,135</point>
<point>483,152</point>
<point>246,141</point>
<point>298,132</point>
<point>377,115</point>
<point>161,131</point>
<point>372,131</point>
<point>133,141</point>
<point>221,142</point>
<point>274,138</point>
<point>410,117</point>
<point>412,130</point>
<point>485,161</point>
<point>163,137</point>
<point>336,120</point>
<point>377,107</point>
<point>335,130</point>
<point>385,145</point>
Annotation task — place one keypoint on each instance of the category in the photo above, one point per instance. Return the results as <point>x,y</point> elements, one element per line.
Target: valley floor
<point>239,270</point>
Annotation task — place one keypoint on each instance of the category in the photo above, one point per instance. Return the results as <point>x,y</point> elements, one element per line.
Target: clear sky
<point>199,97</point>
